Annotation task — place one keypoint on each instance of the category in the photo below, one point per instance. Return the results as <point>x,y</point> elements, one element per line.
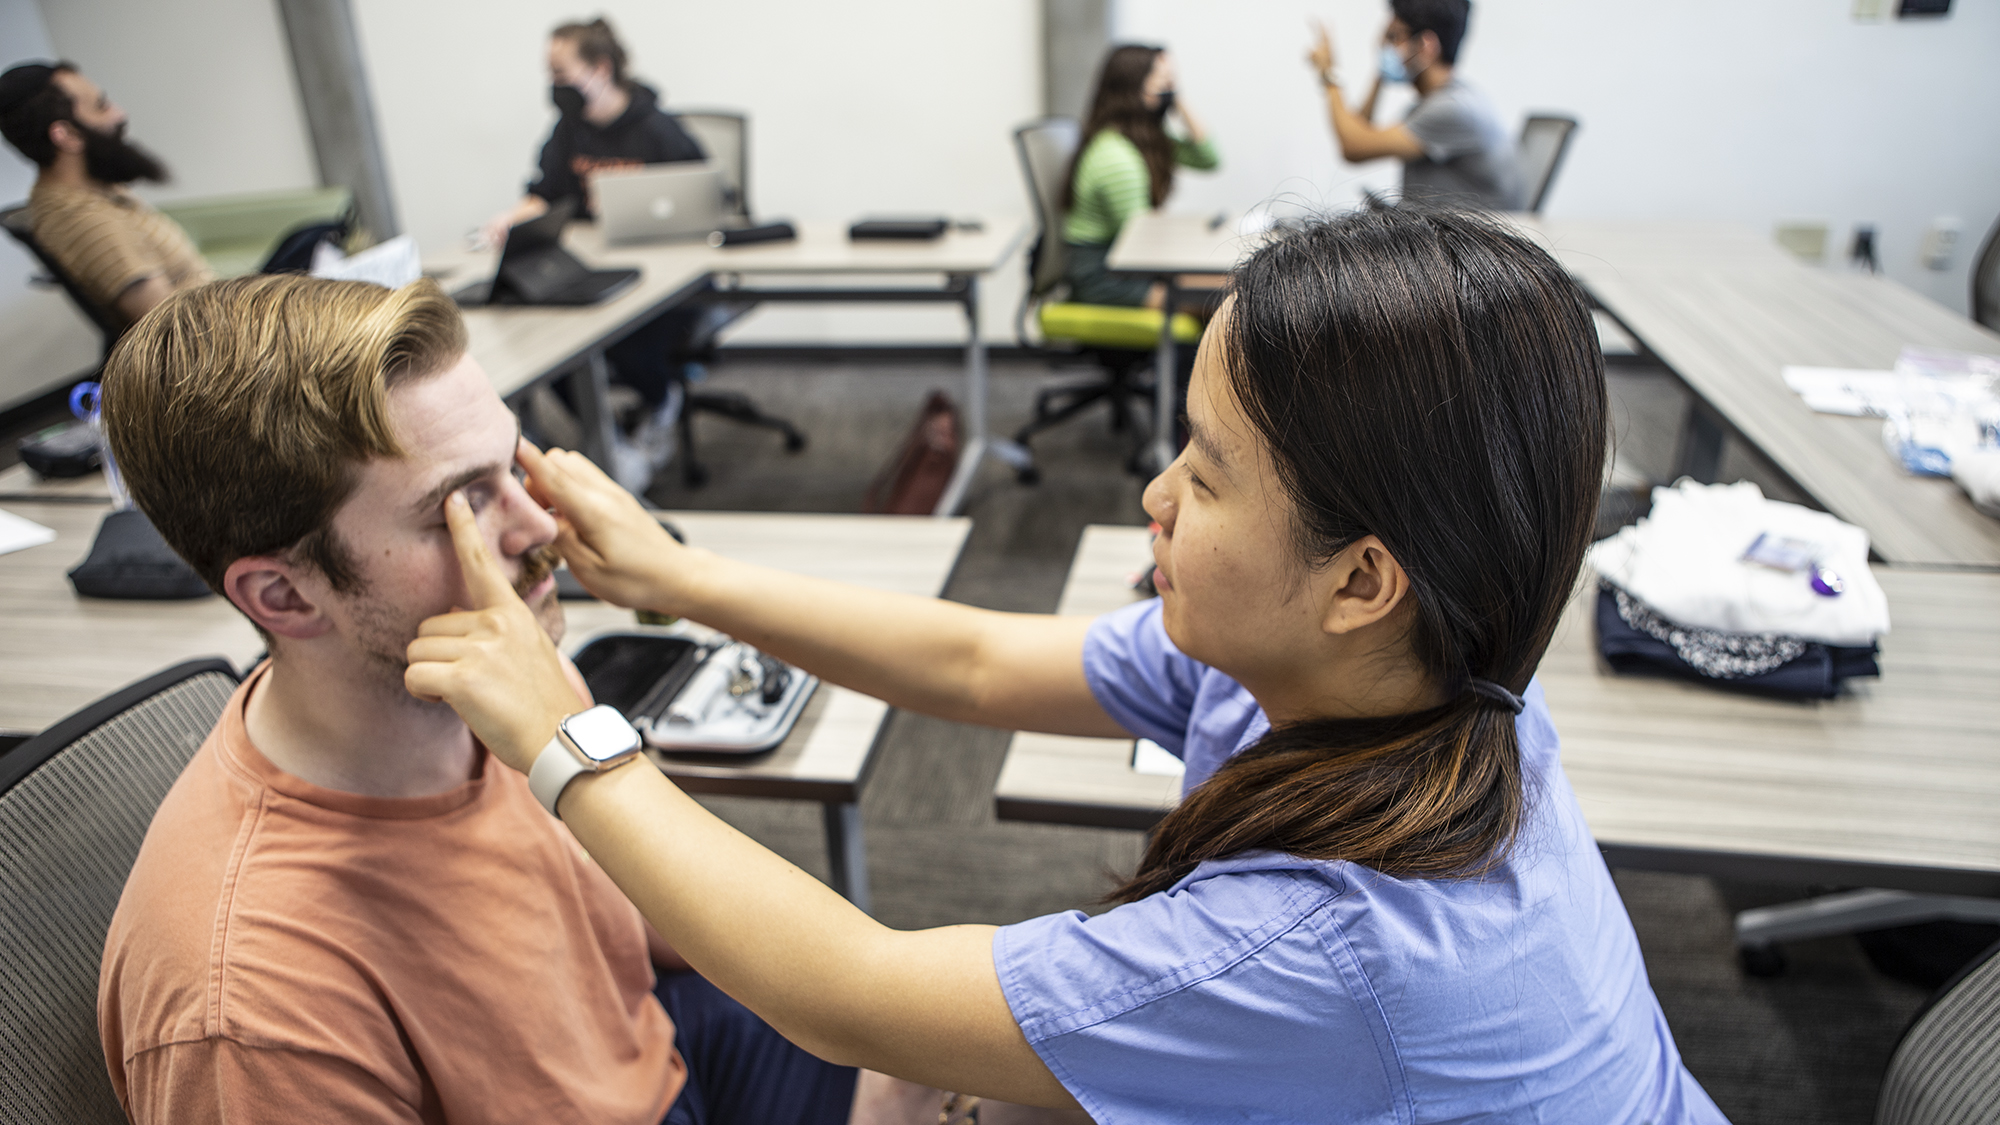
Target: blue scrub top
<point>1264,987</point>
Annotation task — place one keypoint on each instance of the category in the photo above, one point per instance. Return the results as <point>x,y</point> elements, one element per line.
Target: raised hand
<point>614,546</point>
<point>492,663</point>
<point>1320,57</point>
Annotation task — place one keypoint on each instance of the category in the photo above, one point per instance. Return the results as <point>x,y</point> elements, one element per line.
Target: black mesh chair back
<point>725,137</point>
<point>1046,148</point>
<point>1986,281</point>
<point>1946,1070</point>
<point>75,801</point>
<point>1544,142</point>
<point>107,321</point>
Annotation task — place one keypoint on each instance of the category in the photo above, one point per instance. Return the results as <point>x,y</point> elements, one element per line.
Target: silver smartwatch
<point>587,742</point>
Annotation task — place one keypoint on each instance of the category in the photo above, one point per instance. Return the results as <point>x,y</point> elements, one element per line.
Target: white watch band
<point>555,767</point>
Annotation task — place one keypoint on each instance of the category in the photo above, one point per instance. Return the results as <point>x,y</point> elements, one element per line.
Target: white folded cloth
<point>1685,560</point>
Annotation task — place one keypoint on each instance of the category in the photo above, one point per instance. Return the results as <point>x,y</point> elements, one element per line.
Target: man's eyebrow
<point>435,497</point>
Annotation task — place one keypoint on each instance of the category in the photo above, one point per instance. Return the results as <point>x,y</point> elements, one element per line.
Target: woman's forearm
<point>958,662</point>
<point>923,1005</point>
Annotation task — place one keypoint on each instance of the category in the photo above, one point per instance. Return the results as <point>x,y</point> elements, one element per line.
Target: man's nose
<point>528,525</point>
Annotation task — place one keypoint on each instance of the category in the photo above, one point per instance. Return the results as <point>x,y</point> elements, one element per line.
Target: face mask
<point>1166,103</point>
<point>568,99</point>
<point>1392,65</point>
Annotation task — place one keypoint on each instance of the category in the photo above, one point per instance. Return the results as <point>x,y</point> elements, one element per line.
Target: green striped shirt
<point>1112,184</point>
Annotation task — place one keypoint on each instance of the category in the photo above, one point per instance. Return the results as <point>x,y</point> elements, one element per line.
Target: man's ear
<point>1364,584</point>
<point>269,592</point>
<point>1428,46</point>
<point>67,136</point>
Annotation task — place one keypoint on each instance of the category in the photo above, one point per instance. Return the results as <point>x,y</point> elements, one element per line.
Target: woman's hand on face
<point>616,548</point>
<point>493,663</point>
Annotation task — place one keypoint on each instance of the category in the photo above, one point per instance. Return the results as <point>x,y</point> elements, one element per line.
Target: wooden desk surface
<point>519,344</point>
<point>1161,242</point>
<point>1893,784</point>
<point>63,651</point>
<point>1728,310</point>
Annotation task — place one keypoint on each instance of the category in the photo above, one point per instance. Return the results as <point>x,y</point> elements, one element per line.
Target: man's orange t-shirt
<point>284,952</point>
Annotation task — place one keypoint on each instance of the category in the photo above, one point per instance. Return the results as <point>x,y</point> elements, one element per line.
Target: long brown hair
<point>596,43</point>
<point>1120,103</point>
<point>1431,378</point>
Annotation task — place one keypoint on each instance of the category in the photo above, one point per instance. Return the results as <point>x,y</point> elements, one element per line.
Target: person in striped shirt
<point>1125,166</point>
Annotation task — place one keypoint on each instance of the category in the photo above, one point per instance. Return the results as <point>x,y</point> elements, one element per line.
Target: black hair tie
<point>1487,689</point>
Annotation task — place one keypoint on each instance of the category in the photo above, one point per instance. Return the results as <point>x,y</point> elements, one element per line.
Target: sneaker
<point>658,434</point>
<point>630,466</point>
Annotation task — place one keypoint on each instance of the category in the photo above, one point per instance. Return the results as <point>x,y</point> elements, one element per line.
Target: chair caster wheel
<point>794,442</point>
<point>1028,474</point>
<point>1762,960</point>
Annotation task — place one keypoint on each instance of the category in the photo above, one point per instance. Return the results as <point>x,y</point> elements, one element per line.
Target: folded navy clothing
<point>1634,638</point>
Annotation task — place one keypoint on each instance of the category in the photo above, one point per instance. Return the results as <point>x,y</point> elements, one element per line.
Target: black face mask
<point>1166,104</point>
<point>109,158</point>
<point>568,99</point>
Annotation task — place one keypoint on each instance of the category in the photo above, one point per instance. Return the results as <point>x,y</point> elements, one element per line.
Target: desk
<point>1166,246</point>
<point>1726,310</point>
<point>521,345</point>
<point>63,651</point>
<point>1892,785</point>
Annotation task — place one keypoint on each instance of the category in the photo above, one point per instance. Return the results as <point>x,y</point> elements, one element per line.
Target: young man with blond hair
<point>343,911</point>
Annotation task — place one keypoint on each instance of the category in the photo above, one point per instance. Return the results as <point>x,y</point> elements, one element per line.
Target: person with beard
<point>610,120</point>
<point>1125,166</point>
<point>344,909</point>
<point>126,255</point>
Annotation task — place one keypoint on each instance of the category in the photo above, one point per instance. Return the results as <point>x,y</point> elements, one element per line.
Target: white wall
<point>1709,109</point>
<point>882,106</point>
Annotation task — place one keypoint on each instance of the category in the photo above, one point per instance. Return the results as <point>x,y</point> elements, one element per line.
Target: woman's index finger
<point>484,579</point>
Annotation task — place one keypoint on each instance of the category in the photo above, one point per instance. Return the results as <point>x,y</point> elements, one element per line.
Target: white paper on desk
<point>1149,757</point>
<point>1840,390</point>
<point>392,264</point>
<point>17,534</point>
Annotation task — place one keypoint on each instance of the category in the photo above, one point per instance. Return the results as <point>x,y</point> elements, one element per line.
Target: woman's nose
<point>1159,502</point>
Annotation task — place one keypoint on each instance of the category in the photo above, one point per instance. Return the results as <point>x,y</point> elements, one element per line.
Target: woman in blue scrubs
<point>1377,901</point>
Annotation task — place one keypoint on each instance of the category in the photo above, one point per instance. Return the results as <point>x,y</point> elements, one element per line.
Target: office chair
<point>110,325</point>
<point>1544,142</point>
<point>1120,339</point>
<point>725,136</point>
<point>1986,281</point>
<point>1946,1069</point>
<point>75,802</point>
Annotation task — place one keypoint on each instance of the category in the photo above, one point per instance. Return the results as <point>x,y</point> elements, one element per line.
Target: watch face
<point>601,733</point>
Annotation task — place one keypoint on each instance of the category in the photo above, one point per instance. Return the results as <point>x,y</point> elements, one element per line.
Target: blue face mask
<point>1392,66</point>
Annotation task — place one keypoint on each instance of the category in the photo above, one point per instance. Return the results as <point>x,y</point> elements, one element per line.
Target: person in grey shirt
<point>1453,147</point>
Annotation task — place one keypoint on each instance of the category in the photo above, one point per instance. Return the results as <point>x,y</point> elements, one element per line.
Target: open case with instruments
<point>713,696</point>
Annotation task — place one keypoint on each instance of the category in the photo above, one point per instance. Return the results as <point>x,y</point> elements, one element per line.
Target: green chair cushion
<point>236,233</point>
<point>1112,326</point>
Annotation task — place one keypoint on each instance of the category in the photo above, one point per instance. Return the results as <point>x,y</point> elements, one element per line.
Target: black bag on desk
<point>130,560</point>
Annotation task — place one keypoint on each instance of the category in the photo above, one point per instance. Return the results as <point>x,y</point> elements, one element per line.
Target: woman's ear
<point>1364,585</point>
<point>267,590</point>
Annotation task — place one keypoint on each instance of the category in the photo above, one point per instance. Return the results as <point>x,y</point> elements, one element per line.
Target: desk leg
<point>590,389</point>
<point>844,853</point>
<point>1701,444</point>
<point>1165,375</point>
<point>977,443</point>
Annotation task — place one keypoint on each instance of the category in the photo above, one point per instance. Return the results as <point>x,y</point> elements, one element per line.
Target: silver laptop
<point>659,201</point>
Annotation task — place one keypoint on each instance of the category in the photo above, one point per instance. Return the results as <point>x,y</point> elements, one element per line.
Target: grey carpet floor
<point>1807,1047</point>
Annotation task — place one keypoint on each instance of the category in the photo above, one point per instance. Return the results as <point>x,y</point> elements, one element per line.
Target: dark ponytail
<point>1431,378</point>
<point>596,43</point>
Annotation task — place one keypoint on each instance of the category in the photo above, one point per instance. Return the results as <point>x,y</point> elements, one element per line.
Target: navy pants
<point>740,1071</point>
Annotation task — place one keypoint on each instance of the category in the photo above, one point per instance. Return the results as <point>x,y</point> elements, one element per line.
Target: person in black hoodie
<point>610,120</point>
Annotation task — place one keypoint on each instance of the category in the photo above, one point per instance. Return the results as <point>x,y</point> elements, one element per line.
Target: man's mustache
<point>538,563</point>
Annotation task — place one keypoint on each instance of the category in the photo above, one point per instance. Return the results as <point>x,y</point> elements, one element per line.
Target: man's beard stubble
<point>109,158</point>
<point>384,633</point>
